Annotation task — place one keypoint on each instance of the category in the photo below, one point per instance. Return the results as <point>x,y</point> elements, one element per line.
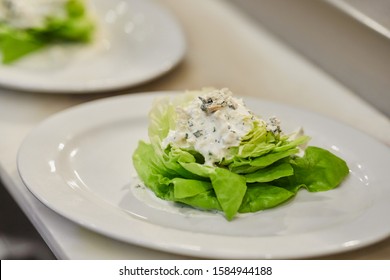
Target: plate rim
<point>184,248</point>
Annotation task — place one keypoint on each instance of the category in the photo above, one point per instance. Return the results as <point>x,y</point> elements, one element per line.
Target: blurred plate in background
<point>136,41</point>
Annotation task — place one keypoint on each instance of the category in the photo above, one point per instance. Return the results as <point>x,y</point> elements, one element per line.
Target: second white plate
<point>78,163</point>
<point>136,41</point>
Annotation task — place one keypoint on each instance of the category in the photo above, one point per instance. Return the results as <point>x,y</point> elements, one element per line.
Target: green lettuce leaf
<point>250,165</point>
<point>263,196</point>
<point>15,44</point>
<point>203,201</point>
<point>151,170</point>
<point>187,188</point>
<point>270,173</point>
<point>318,170</point>
<point>230,189</point>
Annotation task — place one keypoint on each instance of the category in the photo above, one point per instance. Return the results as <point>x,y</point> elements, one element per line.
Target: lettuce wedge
<point>262,172</point>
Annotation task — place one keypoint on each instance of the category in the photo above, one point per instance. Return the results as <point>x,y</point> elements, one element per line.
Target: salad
<point>209,151</point>
<point>28,26</point>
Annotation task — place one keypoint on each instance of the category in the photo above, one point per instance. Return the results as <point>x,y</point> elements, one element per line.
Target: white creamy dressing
<point>211,124</point>
<point>30,13</point>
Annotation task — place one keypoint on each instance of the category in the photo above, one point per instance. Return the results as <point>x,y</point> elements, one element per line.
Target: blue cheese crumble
<point>213,122</point>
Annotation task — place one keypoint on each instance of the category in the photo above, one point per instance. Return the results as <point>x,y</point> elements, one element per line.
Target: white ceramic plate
<point>78,163</point>
<point>136,41</point>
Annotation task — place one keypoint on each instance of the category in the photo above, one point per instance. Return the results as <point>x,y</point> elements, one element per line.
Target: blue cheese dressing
<point>211,124</point>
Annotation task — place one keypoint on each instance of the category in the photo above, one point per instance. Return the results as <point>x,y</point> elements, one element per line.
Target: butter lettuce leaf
<point>261,196</point>
<point>318,170</point>
<point>16,44</point>
<point>230,189</point>
<point>270,173</point>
